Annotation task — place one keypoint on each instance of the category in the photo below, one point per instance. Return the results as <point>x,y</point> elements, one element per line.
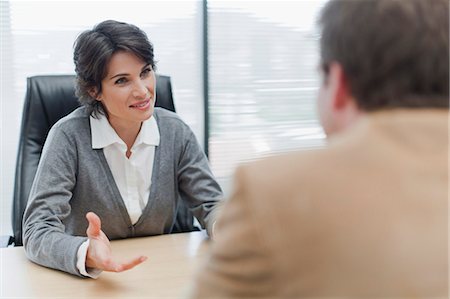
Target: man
<point>367,215</point>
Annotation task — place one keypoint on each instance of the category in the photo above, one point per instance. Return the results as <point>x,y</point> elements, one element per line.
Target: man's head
<point>382,54</point>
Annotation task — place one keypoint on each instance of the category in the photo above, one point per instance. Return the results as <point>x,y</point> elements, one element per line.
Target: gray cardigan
<point>73,179</point>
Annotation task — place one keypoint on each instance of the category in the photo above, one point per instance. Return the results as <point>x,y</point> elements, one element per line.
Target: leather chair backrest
<point>49,98</point>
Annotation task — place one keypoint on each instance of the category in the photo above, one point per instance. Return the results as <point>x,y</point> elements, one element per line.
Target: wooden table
<point>172,261</point>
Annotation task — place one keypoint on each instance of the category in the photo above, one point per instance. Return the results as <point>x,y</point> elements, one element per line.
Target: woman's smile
<point>143,105</point>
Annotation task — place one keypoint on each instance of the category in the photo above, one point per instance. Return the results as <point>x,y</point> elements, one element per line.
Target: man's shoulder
<point>281,166</point>
<point>281,181</point>
<point>314,164</point>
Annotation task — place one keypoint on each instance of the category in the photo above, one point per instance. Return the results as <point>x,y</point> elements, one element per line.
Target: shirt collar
<point>104,135</point>
<point>149,133</point>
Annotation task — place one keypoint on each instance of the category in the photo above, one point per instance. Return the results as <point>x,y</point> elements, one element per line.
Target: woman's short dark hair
<point>395,53</point>
<point>93,50</point>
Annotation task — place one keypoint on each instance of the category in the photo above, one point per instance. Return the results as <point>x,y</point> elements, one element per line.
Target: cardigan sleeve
<point>45,240</point>
<point>197,184</point>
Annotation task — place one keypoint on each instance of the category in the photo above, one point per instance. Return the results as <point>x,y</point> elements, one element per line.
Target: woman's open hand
<point>99,254</point>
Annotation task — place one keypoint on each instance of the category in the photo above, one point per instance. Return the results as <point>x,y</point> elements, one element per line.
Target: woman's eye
<point>146,72</point>
<point>121,81</point>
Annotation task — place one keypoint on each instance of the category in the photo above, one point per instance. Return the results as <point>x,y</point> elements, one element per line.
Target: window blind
<point>263,58</point>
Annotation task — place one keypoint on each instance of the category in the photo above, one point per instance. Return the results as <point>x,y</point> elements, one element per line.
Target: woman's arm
<point>197,184</point>
<point>44,236</point>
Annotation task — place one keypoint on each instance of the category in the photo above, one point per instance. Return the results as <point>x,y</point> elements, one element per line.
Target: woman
<point>117,158</point>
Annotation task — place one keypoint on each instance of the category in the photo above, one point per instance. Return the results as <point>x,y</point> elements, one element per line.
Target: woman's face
<point>128,91</point>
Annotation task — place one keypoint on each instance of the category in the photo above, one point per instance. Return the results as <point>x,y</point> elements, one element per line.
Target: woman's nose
<point>140,90</point>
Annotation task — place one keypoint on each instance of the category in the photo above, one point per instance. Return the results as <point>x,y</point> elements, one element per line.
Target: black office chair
<point>48,99</point>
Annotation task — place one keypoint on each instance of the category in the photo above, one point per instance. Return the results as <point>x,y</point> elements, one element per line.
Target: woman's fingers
<point>95,225</point>
<point>130,264</point>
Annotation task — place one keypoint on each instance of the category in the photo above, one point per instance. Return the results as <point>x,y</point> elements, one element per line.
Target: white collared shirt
<point>133,176</point>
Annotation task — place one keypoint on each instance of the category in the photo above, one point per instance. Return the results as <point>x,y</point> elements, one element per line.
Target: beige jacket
<point>365,217</point>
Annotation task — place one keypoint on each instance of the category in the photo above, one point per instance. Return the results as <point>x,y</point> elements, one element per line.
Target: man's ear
<point>343,104</point>
<point>341,90</point>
